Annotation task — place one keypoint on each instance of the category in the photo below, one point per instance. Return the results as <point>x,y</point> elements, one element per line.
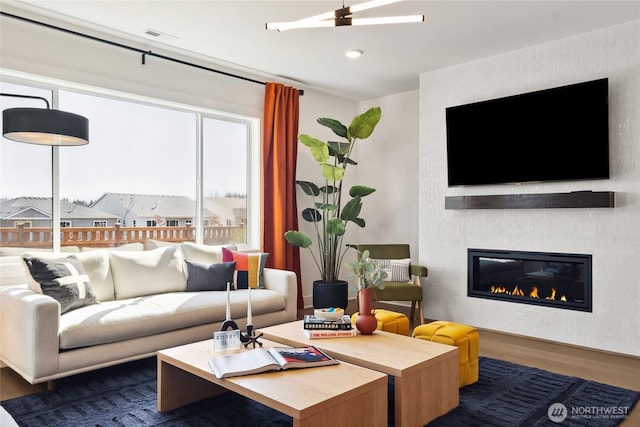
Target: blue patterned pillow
<point>63,279</point>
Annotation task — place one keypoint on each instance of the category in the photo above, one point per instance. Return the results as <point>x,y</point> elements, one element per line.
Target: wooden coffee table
<point>426,373</point>
<point>313,397</point>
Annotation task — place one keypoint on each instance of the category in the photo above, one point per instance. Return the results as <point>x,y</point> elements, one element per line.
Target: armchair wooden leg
<point>421,312</point>
<point>413,310</point>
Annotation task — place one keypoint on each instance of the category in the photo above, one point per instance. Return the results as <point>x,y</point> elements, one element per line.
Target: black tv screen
<point>556,134</point>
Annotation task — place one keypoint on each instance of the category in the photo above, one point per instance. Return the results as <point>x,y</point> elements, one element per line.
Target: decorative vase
<point>366,322</point>
<point>326,295</point>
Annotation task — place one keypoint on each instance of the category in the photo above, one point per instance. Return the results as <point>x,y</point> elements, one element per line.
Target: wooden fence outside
<point>106,237</point>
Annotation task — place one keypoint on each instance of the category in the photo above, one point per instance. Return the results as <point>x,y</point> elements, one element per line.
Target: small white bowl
<point>325,314</point>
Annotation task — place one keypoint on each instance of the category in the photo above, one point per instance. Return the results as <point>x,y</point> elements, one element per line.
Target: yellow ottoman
<point>462,336</point>
<point>389,321</point>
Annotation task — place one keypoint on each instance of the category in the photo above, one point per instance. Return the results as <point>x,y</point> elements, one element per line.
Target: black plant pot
<point>327,295</point>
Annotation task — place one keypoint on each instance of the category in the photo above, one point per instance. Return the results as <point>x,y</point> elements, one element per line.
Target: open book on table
<point>259,360</point>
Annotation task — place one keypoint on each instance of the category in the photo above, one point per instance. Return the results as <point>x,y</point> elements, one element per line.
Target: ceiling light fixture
<point>343,17</point>
<point>353,53</point>
<point>43,126</point>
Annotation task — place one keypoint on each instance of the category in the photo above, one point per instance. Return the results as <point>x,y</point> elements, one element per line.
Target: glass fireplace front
<point>542,278</point>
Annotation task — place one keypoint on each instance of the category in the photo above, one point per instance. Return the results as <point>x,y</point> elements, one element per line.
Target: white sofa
<point>143,307</point>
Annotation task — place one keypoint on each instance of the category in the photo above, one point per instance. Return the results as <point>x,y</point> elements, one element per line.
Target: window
<point>225,182</point>
<point>140,171</point>
<point>26,177</point>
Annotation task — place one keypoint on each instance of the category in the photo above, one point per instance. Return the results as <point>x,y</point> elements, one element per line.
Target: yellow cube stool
<point>389,321</point>
<point>464,337</point>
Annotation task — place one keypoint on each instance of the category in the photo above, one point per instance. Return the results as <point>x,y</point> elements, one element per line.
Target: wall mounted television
<point>558,134</point>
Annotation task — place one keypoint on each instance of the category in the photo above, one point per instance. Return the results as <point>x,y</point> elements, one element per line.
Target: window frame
<point>253,123</point>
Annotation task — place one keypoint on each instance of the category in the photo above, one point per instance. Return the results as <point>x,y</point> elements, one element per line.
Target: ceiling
<point>232,34</point>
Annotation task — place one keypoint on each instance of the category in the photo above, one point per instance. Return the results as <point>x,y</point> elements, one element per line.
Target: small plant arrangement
<point>368,273</point>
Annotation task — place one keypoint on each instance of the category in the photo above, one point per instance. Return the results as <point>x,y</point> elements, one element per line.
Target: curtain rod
<point>144,53</point>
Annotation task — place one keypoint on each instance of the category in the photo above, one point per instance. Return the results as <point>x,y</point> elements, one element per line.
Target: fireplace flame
<point>517,291</point>
<point>553,294</point>
<point>534,292</point>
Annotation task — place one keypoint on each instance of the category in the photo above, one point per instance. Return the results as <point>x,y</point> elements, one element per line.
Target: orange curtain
<point>280,151</point>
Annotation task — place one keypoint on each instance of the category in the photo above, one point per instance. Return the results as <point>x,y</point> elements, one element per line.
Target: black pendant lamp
<point>44,126</point>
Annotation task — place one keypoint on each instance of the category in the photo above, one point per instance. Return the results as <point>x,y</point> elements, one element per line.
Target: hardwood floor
<point>614,369</point>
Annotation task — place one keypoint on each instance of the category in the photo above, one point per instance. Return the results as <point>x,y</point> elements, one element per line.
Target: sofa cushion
<point>209,277</point>
<point>203,254</point>
<point>147,272</point>
<point>96,265</point>
<point>249,267</point>
<point>114,321</point>
<point>63,279</point>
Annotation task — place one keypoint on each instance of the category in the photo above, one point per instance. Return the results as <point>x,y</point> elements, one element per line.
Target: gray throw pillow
<point>209,277</point>
<point>63,279</point>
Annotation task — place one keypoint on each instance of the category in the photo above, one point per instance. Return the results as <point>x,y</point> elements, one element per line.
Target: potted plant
<point>330,211</point>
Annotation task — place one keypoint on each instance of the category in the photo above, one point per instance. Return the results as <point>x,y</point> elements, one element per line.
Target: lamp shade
<point>45,127</point>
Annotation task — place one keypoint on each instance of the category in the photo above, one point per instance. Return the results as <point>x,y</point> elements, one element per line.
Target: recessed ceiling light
<point>353,53</point>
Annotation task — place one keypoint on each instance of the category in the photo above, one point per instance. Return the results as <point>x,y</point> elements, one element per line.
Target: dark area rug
<point>505,395</point>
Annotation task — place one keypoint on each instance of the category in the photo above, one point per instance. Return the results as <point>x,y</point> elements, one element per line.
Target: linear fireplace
<point>541,278</point>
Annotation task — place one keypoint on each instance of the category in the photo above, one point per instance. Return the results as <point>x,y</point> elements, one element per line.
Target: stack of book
<point>317,328</point>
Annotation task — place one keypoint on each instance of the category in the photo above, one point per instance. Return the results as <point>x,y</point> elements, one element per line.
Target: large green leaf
<point>329,189</point>
<point>351,209</point>
<point>337,127</point>
<point>359,221</point>
<point>338,148</point>
<point>297,238</point>
<point>311,215</point>
<point>332,173</point>
<point>360,191</point>
<point>362,126</point>
<point>326,206</point>
<point>309,188</point>
<point>318,148</point>
<point>335,227</point>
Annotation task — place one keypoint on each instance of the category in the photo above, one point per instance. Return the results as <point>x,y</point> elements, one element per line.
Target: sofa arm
<point>284,282</point>
<point>29,324</point>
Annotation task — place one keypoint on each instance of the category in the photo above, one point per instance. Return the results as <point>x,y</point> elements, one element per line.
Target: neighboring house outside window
<point>172,223</point>
<point>99,223</point>
<point>64,224</point>
<point>151,223</point>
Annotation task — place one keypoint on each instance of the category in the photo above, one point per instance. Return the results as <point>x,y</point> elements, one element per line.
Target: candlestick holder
<point>250,337</point>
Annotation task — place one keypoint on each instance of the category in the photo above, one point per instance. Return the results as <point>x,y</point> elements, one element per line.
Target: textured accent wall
<point>612,236</point>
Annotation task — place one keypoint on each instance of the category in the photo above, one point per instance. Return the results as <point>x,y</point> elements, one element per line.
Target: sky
<point>133,148</point>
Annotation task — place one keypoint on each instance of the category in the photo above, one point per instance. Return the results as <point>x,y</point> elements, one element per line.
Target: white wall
<point>612,236</point>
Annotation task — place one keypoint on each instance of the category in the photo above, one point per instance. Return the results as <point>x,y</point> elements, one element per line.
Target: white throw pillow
<point>203,254</point>
<point>397,269</point>
<point>96,265</point>
<point>148,272</point>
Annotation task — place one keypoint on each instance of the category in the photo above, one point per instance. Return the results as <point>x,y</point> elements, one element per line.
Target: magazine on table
<point>259,360</point>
